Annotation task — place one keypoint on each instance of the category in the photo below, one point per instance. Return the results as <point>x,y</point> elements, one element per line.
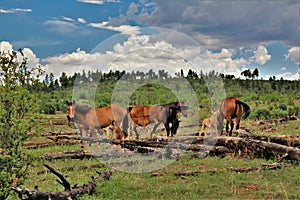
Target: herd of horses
<point>91,120</point>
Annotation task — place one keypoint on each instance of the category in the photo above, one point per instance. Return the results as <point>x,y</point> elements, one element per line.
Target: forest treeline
<point>270,98</point>
<point>64,81</point>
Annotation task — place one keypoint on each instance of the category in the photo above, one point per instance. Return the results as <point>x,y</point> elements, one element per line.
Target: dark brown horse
<point>231,108</point>
<point>94,119</point>
<point>166,114</point>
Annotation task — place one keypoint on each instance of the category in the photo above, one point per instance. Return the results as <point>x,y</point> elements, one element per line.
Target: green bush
<point>283,106</point>
<point>261,113</point>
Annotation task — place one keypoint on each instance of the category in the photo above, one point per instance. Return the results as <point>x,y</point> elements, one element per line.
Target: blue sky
<point>227,36</point>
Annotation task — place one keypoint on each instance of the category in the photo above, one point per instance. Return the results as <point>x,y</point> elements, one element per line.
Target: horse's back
<point>228,106</point>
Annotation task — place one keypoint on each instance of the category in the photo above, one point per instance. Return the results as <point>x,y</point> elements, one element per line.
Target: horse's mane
<point>82,109</point>
<point>171,104</point>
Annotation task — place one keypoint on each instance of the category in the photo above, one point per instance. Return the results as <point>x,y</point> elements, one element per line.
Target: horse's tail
<point>246,108</point>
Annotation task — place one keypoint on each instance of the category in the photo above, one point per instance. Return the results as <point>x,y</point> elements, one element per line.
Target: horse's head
<point>71,110</point>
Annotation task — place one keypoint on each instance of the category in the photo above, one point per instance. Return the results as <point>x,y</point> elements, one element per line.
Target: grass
<point>225,185</point>
<point>282,183</point>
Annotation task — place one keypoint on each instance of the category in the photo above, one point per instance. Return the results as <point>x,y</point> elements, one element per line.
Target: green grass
<point>276,184</point>
<point>281,183</point>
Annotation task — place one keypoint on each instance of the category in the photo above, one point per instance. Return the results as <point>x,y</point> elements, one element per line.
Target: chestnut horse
<point>96,118</point>
<point>144,115</point>
<point>166,114</point>
<point>231,108</point>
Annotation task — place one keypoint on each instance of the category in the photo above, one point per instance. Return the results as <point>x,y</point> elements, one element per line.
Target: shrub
<point>261,113</point>
<point>283,106</point>
<point>18,108</point>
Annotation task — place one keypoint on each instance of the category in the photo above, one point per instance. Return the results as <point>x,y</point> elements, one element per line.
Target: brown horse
<point>144,115</point>
<point>212,123</point>
<point>231,108</point>
<point>166,114</point>
<point>94,119</point>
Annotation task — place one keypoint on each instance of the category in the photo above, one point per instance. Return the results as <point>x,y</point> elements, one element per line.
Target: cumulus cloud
<point>294,55</point>
<point>234,23</point>
<point>261,55</point>
<point>32,60</point>
<point>144,52</point>
<point>5,47</point>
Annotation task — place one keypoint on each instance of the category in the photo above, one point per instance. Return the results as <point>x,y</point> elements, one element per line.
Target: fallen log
<point>236,145</point>
<point>68,194</point>
<point>287,140</point>
<point>257,148</point>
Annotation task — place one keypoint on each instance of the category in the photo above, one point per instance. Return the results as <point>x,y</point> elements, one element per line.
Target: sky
<point>226,36</point>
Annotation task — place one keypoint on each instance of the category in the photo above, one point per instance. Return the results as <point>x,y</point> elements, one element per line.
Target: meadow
<point>189,176</point>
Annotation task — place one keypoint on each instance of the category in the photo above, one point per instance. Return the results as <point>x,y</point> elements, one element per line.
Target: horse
<point>231,108</point>
<point>174,109</point>
<point>166,114</point>
<point>212,123</point>
<point>94,119</point>
<point>144,115</point>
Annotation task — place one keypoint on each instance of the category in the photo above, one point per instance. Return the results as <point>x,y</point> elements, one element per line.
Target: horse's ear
<point>67,102</point>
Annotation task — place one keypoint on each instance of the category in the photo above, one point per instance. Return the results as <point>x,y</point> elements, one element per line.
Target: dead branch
<point>68,194</point>
<point>63,181</point>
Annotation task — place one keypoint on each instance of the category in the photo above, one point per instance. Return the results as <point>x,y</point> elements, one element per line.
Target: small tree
<point>17,110</point>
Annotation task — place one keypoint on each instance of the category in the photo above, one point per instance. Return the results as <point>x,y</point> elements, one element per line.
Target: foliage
<point>17,109</point>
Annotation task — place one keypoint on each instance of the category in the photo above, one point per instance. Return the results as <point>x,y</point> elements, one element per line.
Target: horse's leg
<point>237,126</point>
<point>135,131</point>
<point>201,133</point>
<point>175,125</point>
<point>228,121</point>
<point>154,129</point>
<point>118,132</point>
<point>167,126</point>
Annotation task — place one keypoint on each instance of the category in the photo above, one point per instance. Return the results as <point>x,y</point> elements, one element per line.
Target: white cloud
<point>142,52</point>
<point>261,55</point>
<point>61,26</point>
<point>124,29</point>
<point>99,2</point>
<point>5,47</point>
<point>68,19</point>
<point>294,55</point>
<point>288,76</point>
<point>283,68</point>
<point>81,20</point>
<point>32,60</point>
<point>14,10</point>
